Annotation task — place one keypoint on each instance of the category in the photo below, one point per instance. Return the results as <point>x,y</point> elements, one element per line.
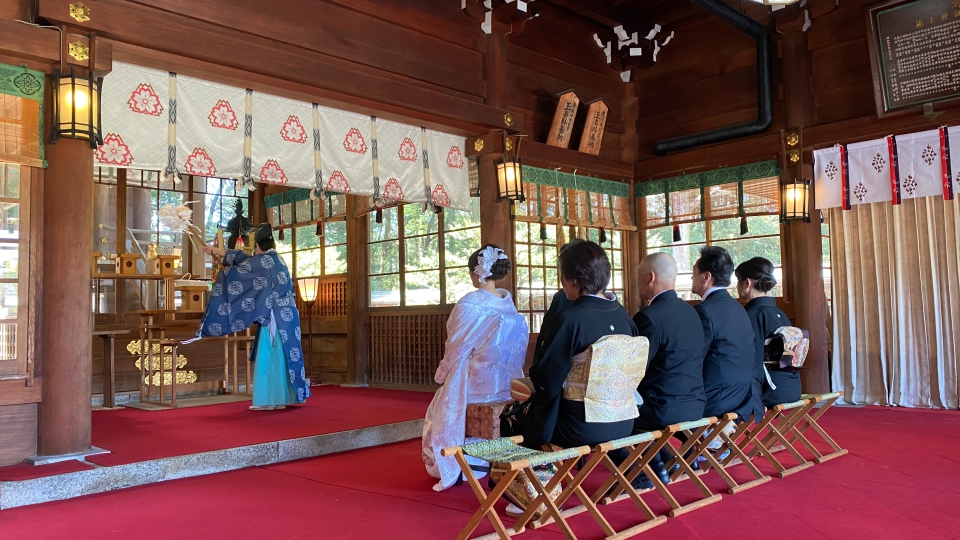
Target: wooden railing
<point>406,348</point>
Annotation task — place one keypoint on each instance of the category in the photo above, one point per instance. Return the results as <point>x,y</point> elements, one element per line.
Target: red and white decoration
<point>346,163</point>
<point>209,128</point>
<point>134,116</point>
<point>889,169</point>
<point>448,170</point>
<point>114,151</point>
<point>400,163</point>
<point>289,142</point>
<point>281,143</point>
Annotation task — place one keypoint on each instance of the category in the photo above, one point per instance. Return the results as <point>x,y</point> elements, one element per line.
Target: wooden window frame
<point>21,365</point>
<point>402,272</point>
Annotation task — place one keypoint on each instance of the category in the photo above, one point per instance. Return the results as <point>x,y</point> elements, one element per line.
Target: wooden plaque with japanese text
<point>915,52</point>
<point>593,128</point>
<point>562,128</point>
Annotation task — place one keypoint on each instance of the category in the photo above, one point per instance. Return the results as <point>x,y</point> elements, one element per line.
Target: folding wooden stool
<point>507,457</point>
<point>810,420</point>
<point>642,459</point>
<point>763,435</point>
<point>696,446</point>
<point>638,444</point>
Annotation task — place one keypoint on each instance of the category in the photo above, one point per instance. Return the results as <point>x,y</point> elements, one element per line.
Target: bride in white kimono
<point>485,350</point>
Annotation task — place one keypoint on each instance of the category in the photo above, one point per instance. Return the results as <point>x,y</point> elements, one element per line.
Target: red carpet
<point>133,435</point>
<point>898,482</point>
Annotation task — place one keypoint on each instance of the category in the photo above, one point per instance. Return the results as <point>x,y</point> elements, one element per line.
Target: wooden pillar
<point>495,224</point>
<point>358,298</point>
<point>496,227</point>
<point>64,412</point>
<point>804,273</point>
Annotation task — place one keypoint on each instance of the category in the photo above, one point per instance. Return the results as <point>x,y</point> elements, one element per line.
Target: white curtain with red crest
<point>448,172</point>
<point>282,142</point>
<point>400,164</point>
<point>135,118</point>
<point>346,153</point>
<point>210,128</point>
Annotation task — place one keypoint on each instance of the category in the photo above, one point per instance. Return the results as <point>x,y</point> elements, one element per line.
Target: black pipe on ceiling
<point>764,119</point>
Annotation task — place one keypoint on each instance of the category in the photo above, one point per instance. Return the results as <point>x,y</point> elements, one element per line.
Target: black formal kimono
<point>558,304</point>
<point>766,317</point>
<point>672,388</point>
<point>551,418</point>
<point>729,358</point>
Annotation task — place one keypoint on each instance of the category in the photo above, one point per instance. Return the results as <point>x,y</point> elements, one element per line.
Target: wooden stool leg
<point>486,501</point>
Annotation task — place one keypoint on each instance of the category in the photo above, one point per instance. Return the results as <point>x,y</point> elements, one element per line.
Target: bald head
<point>658,273</point>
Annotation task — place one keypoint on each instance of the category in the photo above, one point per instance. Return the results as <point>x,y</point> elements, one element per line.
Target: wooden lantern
<point>127,263</point>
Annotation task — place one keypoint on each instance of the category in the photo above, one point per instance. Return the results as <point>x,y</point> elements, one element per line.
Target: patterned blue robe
<point>252,289</point>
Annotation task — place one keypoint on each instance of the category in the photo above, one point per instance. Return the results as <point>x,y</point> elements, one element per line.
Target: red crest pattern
<point>272,173</point>
<point>293,130</point>
<point>338,183</point>
<point>143,100</point>
<point>114,151</point>
<point>440,197</point>
<point>408,150</point>
<point>200,164</point>
<point>222,116</point>
<point>455,158</point>
<point>392,192</point>
<point>354,142</point>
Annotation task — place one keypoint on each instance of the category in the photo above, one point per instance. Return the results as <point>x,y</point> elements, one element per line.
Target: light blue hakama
<point>271,385</point>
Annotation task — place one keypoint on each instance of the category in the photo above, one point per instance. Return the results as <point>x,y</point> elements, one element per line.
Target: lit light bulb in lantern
<point>79,99</point>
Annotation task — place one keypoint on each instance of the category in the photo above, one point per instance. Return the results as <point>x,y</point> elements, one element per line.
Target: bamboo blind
<point>406,348</point>
<point>20,131</point>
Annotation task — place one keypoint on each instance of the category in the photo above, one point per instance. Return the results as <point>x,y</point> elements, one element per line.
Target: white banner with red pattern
<point>889,169</point>
<point>282,142</point>
<point>400,164</point>
<point>210,128</point>
<point>449,177</point>
<point>155,120</point>
<point>135,123</point>
<point>346,153</point>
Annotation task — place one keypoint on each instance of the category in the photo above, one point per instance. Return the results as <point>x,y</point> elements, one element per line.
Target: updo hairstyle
<point>760,270</point>
<point>500,268</point>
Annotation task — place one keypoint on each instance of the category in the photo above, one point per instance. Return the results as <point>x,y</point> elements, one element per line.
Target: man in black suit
<point>729,364</point>
<point>672,388</point>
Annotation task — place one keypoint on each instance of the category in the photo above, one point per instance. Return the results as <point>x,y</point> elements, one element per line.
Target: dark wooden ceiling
<point>644,13</point>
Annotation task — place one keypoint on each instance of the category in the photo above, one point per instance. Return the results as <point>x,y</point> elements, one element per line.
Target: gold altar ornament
<point>792,139</point>
<point>79,51</point>
<point>478,145</point>
<point>508,119</point>
<point>794,156</point>
<point>79,12</point>
<point>508,145</point>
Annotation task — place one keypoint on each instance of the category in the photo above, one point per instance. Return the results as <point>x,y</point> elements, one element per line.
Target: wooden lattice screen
<point>331,299</point>
<point>406,348</point>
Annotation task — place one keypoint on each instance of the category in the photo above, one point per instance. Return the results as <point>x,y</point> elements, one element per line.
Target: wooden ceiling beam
<point>42,45</point>
<point>284,64</point>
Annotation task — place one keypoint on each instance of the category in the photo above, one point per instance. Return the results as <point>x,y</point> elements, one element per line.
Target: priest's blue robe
<point>258,289</point>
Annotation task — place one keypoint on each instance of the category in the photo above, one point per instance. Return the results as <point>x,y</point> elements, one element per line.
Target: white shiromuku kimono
<point>485,349</point>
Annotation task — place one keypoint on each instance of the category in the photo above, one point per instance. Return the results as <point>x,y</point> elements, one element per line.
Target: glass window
<point>420,258</point>
<point>762,240</point>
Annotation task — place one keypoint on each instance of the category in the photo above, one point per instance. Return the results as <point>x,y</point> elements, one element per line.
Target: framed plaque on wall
<point>914,53</point>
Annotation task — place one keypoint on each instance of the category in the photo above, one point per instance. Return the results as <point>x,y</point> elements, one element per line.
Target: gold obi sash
<point>605,377</point>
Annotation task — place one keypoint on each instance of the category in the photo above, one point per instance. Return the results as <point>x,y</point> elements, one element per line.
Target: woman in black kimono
<point>584,274</point>
<point>755,280</point>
